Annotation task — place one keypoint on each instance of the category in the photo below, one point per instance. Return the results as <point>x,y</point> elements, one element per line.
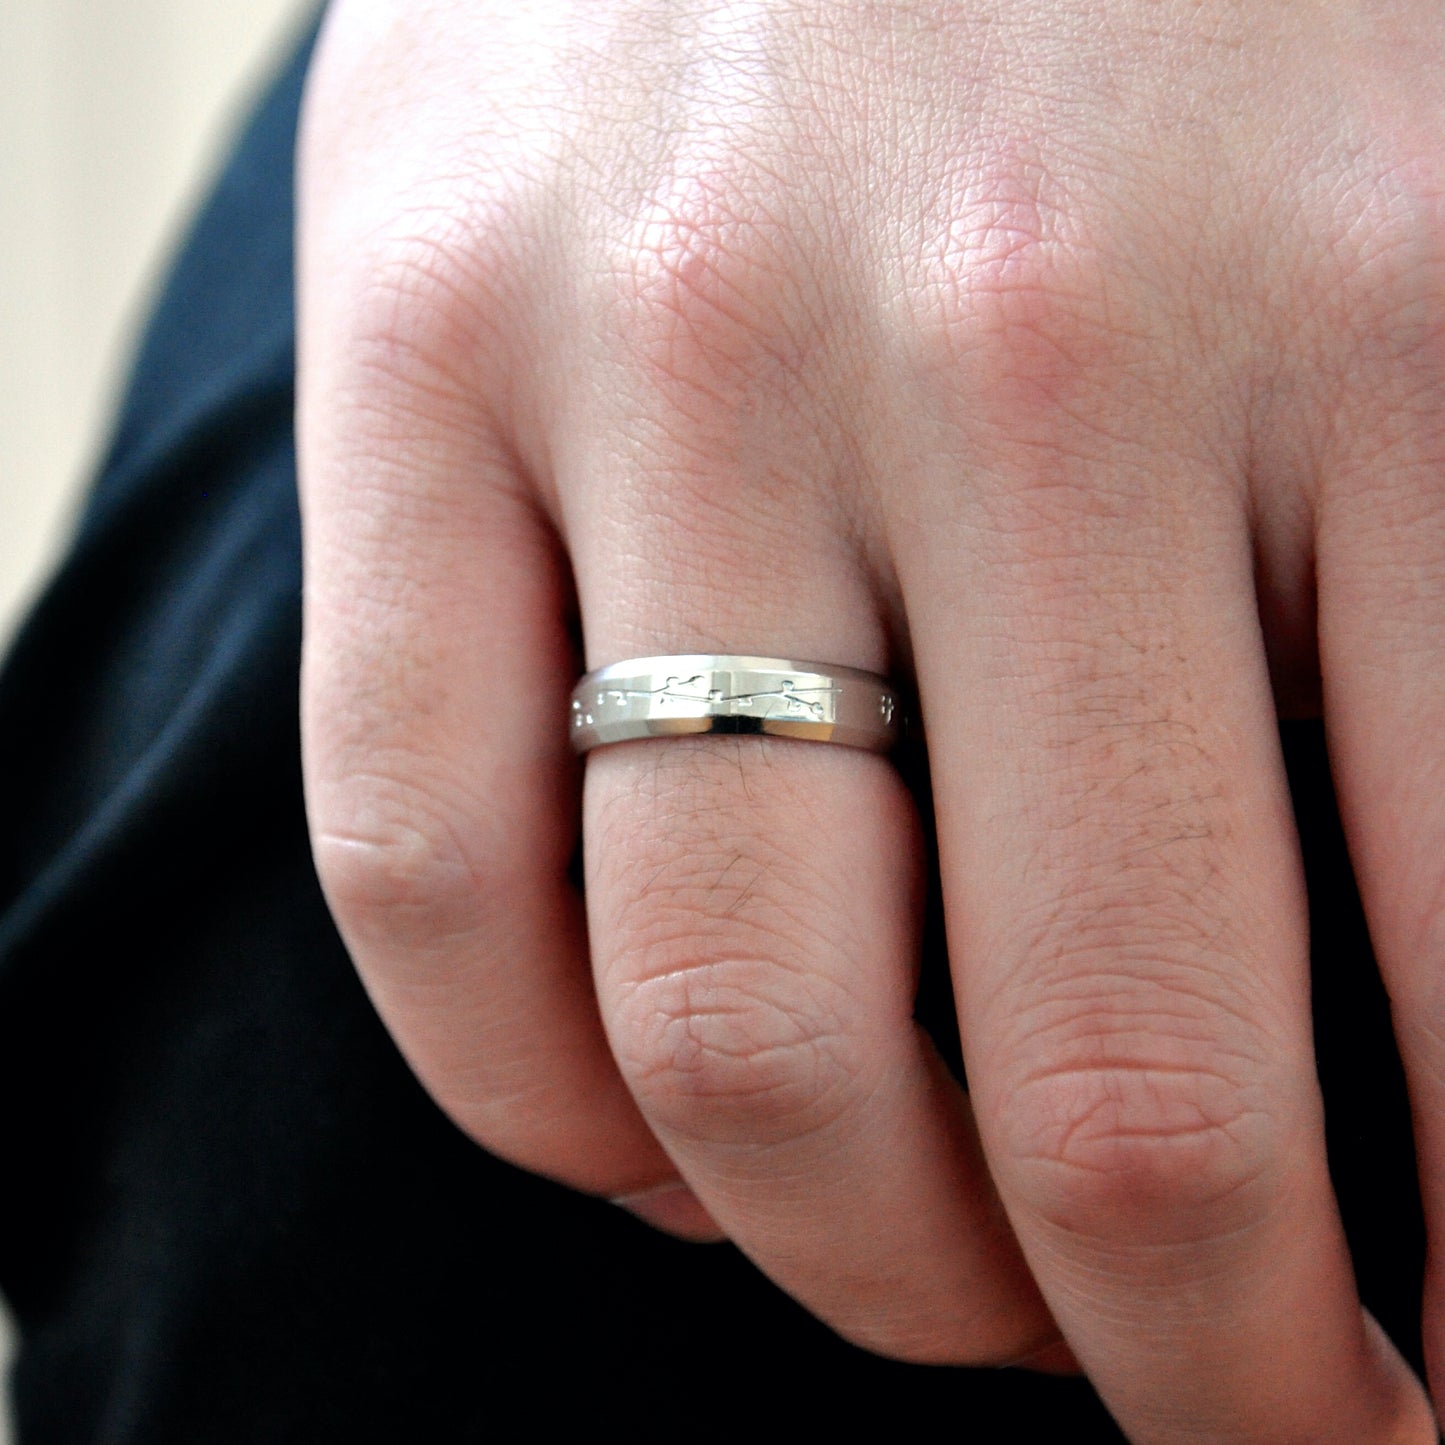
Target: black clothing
<point>230,1213</point>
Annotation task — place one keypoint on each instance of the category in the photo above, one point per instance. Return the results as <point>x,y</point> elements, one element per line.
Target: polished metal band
<point>652,697</point>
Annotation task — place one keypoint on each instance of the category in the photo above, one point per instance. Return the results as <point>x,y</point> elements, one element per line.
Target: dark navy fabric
<point>229,1214</point>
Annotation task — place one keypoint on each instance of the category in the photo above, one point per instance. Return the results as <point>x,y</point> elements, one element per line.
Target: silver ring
<point>657,697</point>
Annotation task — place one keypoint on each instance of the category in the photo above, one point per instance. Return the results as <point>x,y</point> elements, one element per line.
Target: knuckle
<point>734,1051</point>
<point>1146,1088</point>
<point>703,286</point>
<point>708,934</point>
<point>397,866</point>
<point>709,311</point>
<point>1007,289</point>
<point>1141,1129</point>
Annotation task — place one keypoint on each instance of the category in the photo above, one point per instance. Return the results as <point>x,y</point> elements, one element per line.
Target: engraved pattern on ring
<point>655,697</point>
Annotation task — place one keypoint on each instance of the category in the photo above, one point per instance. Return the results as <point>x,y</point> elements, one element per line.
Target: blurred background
<point>112,115</point>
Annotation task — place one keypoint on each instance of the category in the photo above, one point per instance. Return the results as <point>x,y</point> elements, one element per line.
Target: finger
<point>1381,567</point>
<point>441,791</point>
<point>753,902</point>
<point>1127,927</point>
<point>759,1002</point>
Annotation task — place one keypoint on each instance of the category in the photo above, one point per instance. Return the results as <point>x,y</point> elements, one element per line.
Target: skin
<point>1082,364</point>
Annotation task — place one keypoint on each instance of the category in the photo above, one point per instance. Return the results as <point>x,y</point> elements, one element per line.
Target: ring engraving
<point>648,697</point>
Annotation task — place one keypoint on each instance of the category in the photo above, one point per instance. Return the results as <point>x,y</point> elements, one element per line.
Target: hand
<point>1083,363</point>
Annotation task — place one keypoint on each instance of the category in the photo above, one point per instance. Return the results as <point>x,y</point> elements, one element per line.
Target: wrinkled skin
<point>1081,362</point>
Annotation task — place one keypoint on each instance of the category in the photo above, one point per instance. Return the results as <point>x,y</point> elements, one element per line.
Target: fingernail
<point>674,1209</point>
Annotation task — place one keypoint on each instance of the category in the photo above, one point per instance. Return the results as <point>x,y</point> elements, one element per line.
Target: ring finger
<point>753,908</point>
